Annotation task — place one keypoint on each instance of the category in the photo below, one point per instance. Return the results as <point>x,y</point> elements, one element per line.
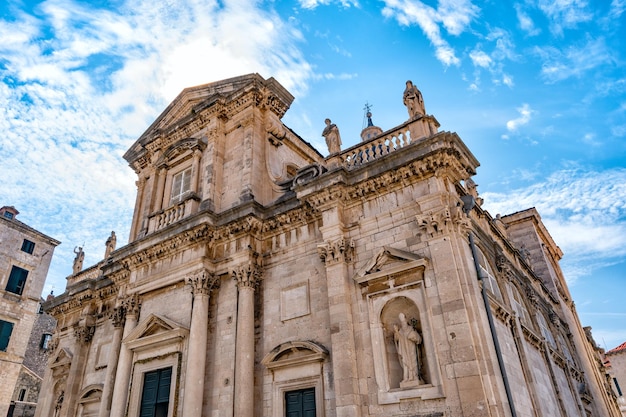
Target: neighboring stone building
<point>35,362</point>
<point>262,279</point>
<point>25,256</point>
<point>615,361</point>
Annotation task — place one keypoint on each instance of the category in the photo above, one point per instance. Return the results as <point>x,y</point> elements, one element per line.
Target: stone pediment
<point>155,330</point>
<point>63,357</point>
<point>388,262</point>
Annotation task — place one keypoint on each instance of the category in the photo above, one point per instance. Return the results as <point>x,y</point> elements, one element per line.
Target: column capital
<point>84,333</point>
<point>247,276</point>
<point>131,304</point>
<point>202,282</point>
<point>336,251</point>
<point>118,316</point>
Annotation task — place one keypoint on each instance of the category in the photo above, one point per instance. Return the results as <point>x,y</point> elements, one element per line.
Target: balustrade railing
<point>375,148</point>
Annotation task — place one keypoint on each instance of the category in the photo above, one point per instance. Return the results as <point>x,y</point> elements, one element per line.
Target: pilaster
<point>201,283</point>
<point>131,305</point>
<point>246,277</point>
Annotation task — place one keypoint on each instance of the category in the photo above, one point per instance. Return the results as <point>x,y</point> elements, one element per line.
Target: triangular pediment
<point>63,357</point>
<point>153,326</point>
<point>194,101</point>
<point>389,261</point>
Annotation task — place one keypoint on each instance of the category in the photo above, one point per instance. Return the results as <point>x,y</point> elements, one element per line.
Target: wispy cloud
<point>565,14</point>
<point>584,210</point>
<point>312,4</point>
<point>525,114</point>
<point>525,22</point>
<point>454,15</point>
<point>574,60</point>
<point>78,84</point>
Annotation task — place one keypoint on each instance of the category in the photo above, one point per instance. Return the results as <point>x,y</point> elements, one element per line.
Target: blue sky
<point>536,88</point>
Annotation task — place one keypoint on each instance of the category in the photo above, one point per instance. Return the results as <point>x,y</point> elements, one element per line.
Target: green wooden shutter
<point>300,403</point>
<point>6,329</point>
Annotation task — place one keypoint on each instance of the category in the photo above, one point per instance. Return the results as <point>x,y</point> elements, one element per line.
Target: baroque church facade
<point>264,279</point>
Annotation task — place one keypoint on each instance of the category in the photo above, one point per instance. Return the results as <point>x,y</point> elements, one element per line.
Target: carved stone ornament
<point>132,304</point>
<point>53,344</point>
<point>84,333</point>
<point>340,250</point>
<point>118,316</point>
<point>308,173</point>
<point>247,276</point>
<point>445,220</point>
<point>202,282</point>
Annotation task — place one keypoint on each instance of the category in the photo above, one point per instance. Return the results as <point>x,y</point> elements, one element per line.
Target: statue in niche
<point>110,245</point>
<point>78,260</point>
<point>407,341</point>
<point>413,100</point>
<point>333,139</point>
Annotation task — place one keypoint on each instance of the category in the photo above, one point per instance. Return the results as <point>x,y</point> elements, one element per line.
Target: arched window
<point>518,305</point>
<point>489,279</point>
<point>545,329</point>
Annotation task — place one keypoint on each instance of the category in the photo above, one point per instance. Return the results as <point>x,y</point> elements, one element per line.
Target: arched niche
<point>390,318</point>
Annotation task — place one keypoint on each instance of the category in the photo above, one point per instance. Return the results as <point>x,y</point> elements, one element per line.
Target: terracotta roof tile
<point>617,349</point>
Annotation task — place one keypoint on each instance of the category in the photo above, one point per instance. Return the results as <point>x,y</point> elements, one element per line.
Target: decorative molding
<point>118,316</point>
<point>308,173</point>
<point>442,221</point>
<point>532,338</point>
<point>132,304</point>
<point>202,282</point>
<point>84,333</point>
<point>332,252</point>
<point>247,276</point>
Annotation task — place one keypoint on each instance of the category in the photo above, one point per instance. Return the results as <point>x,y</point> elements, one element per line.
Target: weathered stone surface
<point>316,259</point>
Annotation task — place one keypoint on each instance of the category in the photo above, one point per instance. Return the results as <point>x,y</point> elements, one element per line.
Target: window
<point>28,246</point>
<point>181,184</point>
<point>45,340</point>
<point>619,390</point>
<point>6,329</point>
<point>300,403</point>
<point>8,214</point>
<point>17,280</point>
<point>155,397</point>
<point>21,395</point>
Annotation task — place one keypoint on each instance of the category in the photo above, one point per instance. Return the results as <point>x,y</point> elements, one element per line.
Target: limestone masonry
<point>264,279</point>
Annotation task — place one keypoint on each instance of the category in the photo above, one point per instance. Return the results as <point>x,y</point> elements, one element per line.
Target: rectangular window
<point>619,390</point>
<point>155,397</point>
<point>300,403</point>
<point>45,340</point>
<point>17,280</point>
<point>28,246</point>
<point>6,329</point>
<point>181,184</point>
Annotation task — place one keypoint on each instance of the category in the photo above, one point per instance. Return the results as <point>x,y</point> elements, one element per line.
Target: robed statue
<point>407,341</point>
<point>332,136</point>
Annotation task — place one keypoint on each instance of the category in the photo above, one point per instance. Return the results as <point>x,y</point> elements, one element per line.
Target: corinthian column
<point>124,365</point>
<point>336,253</point>
<point>117,318</point>
<point>246,278</point>
<point>201,282</point>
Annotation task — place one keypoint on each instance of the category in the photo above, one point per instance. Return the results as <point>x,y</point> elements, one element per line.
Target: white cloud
<point>454,15</point>
<point>312,4</point>
<point>480,59</point>
<point>574,60</point>
<point>565,14</point>
<point>525,22</point>
<point>584,210</point>
<point>525,114</point>
<point>78,85</point>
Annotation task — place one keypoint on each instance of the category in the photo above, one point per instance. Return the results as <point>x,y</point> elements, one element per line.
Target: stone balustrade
<point>377,147</point>
<point>173,214</point>
<point>90,273</point>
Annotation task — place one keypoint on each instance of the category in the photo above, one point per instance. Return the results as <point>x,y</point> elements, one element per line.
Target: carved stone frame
<point>392,274</point>
<point>156,343</point>
<point>306,370</point>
